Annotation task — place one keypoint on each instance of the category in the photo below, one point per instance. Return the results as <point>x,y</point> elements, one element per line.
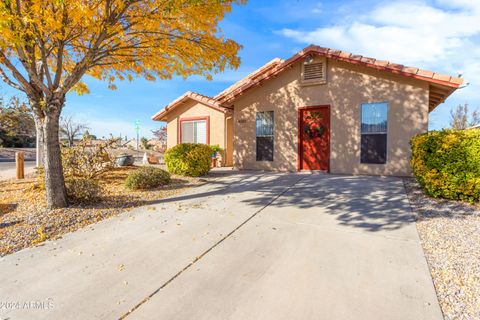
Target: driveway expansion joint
<point>146,299</point>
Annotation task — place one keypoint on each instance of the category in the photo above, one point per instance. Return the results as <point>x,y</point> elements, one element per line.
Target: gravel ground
<point>450,236</point>
<point>25,221</point>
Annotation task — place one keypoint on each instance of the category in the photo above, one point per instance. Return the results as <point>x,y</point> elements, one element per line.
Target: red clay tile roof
<point>441,85</point>
<point>451,83</point>
<point>251,77</point>
<point>189,95</point>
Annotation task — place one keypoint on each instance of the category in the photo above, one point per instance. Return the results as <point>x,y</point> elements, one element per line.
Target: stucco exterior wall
<point>347,87</point>
<point>195,109</point>
<point>229,141</point>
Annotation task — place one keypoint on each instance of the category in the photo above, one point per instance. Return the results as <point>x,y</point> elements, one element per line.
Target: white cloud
<point>442,37</point>
<point>404,32</point>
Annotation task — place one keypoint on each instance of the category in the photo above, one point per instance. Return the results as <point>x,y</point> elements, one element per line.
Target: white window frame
<point>195,133</point>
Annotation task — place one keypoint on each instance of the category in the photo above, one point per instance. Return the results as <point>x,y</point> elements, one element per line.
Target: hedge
<point>189,159</point>
<point>447,163</point>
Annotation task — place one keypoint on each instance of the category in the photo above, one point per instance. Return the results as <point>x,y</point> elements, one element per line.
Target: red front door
<point>314,138</point>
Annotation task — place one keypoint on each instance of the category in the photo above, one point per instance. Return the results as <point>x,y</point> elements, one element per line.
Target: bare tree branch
<point>8,81</point>
<point>71,129</point>
<point>462,118</point>
<point>16,74</point>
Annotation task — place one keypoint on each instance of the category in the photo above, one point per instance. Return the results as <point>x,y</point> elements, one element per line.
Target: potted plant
<point>124,159</point>
<point>215,150</point>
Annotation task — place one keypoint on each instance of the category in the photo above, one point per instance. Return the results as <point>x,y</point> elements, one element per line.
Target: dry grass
<point>25,221</point>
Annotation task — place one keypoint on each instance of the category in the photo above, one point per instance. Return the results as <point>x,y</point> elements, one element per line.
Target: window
<point>374,123</point>
<point>194,131</point>
<point>264,130</point>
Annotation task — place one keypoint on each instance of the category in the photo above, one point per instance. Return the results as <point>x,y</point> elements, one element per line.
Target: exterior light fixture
<point>308,59</point>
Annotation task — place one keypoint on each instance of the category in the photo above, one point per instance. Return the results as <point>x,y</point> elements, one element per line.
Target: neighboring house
<point>475,127</point>
<point>92,142</point>
<point>157,145</point>
<point>131,144</point>
<point>322,109</point>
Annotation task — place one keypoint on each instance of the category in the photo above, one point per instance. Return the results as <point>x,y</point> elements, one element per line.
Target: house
<point>321,109</point>
<point>157,145</point>
<point>130,144</point>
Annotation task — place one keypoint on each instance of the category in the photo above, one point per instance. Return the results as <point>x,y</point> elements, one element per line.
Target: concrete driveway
<point>245,246</point>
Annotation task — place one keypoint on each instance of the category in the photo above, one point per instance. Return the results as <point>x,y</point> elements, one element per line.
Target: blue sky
<point>439,35</point>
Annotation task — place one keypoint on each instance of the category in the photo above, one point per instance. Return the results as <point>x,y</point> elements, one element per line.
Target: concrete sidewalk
<point>246,246</point>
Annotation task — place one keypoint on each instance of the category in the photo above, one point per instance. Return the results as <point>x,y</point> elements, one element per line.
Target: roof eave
<point>160,116</point>
<point>439,79</point>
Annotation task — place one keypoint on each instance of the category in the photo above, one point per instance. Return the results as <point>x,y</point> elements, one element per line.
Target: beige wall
<point>347,87</point>
<point>229,141</point>
<point>194,109</point>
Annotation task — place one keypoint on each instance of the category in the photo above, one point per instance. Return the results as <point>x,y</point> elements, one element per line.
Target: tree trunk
<point>54,181</point>
<point>39,144</point>
<point>46,113</point>
<point>38,119</point>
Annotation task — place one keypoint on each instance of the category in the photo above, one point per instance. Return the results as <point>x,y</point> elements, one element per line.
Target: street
<point>7,169</point>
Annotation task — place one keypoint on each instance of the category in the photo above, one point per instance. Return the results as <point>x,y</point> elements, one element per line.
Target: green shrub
<point>189,159</point>
<point>147,178</point>
<point>447,163</point>
<point>82,190</point>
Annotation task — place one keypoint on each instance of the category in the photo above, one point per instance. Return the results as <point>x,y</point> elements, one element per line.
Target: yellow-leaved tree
<point>47,46</point>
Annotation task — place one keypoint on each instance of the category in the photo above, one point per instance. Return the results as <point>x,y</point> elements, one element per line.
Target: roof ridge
<point>277,65</point>
<point>387,64</point>
<point>250,76</point>
<point>208,101</point>
<point>382,65</point>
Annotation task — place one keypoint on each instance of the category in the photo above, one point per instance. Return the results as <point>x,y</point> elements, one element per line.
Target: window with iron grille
<point>264,135</point>
<point>374,126</point>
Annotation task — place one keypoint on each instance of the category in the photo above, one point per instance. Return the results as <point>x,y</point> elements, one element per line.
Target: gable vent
<point>313,71</point>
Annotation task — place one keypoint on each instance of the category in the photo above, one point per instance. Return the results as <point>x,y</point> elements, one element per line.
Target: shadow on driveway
<point>366,202</point>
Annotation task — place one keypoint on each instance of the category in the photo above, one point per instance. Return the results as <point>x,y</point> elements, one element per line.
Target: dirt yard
<point>25,221</point>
